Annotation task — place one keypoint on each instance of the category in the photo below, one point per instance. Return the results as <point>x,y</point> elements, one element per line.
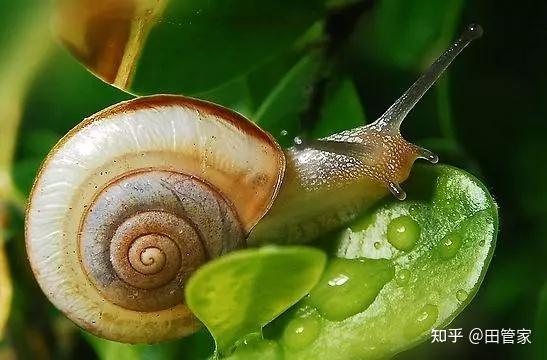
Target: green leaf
<point>342,109</point>
<point>237,294</point>
<point>280,113</point>
<point>338,4</point>
<point>112,350</point>
<point>263,79</point>
<point>399,271</point>
<point>234,95</point>
<point>198,346</point>
<point>403,32</point>
<point>51,111</point>
<point>184,47</point>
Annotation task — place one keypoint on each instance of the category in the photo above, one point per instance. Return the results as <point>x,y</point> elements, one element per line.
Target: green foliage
<point>282,109</point>
<point>375,299</point>
<point>211,43</point>
<point>406,291</point>
<point>342,109</point>
<point>404,34</point>
<point>197,346</point>
<point>237,294</point>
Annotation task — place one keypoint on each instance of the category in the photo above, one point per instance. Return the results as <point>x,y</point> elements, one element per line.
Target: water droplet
<point>249,339</point>
<point>481,243</point>
<point>284,132</point>
<point>461,295</point>
<point>349,286</point>
<point>413,209</point>
<point>253,346</point>
<point>403,232</point>
<point>338,280</point>
<point>377,245</point>
<point>301,332</point>
<point>362,223</point>
<point>422,321</point>
<point>449,246</point>
<point>402,277</point>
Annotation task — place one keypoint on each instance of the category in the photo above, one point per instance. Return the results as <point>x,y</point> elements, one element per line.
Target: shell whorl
<point>135,198</point>
<point>146,233</point>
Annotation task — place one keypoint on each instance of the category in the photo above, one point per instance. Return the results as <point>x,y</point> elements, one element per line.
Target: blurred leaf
<point>234,95</point>
<point>238,294</point>
<point>395,42</point>
<point>38,143</point>
<point>262,80</point>
<point>27,46</point>
<point>10,18</point>
<point>187,47</point>
<point>403,31</point>
<point>5,279</point>
<point>280,113</point>
<point>407,267</point>
<point>27,50</point>
<point>51,111</point>
<point>336,4</point>
<point>112,350</point>
<point>265,78</point>
<point>24,172</point>
<point>196,347</point>
<point>342,109</point>
<point>63,94</point>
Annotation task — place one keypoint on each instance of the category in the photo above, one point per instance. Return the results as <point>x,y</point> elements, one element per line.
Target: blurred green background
<point>335,64</point>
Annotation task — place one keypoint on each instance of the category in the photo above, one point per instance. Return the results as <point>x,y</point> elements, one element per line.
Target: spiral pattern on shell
<point>147,232</point>
<point>134,199</point>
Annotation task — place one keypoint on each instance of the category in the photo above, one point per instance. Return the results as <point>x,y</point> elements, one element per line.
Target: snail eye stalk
<point>379,147</point>
<point>395,115</point>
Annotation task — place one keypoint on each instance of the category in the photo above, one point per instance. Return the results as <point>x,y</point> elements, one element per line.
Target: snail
<point>136,197</point>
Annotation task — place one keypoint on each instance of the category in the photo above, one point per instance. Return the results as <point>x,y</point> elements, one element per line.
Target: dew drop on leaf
<point>424,319</point>
<point>449,246</point>
<point>402,277</point>
<point>349,286</point>
<point>301,331</point>
<point>403,233</point>
<point>461,295</point>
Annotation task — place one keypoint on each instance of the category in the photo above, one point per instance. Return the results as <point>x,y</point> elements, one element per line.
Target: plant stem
<point>25,54</point>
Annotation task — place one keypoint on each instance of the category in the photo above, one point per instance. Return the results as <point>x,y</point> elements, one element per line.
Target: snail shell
<point>134,199</point>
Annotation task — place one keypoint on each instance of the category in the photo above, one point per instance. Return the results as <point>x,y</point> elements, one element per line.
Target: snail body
<point>329,181</point>
<point>135,198</point>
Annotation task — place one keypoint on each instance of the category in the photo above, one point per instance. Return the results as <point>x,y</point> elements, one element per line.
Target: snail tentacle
<point>329,181</point>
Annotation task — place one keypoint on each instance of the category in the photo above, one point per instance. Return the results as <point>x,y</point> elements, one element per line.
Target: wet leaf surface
<point>376,299</point>
<point>236,295</point>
